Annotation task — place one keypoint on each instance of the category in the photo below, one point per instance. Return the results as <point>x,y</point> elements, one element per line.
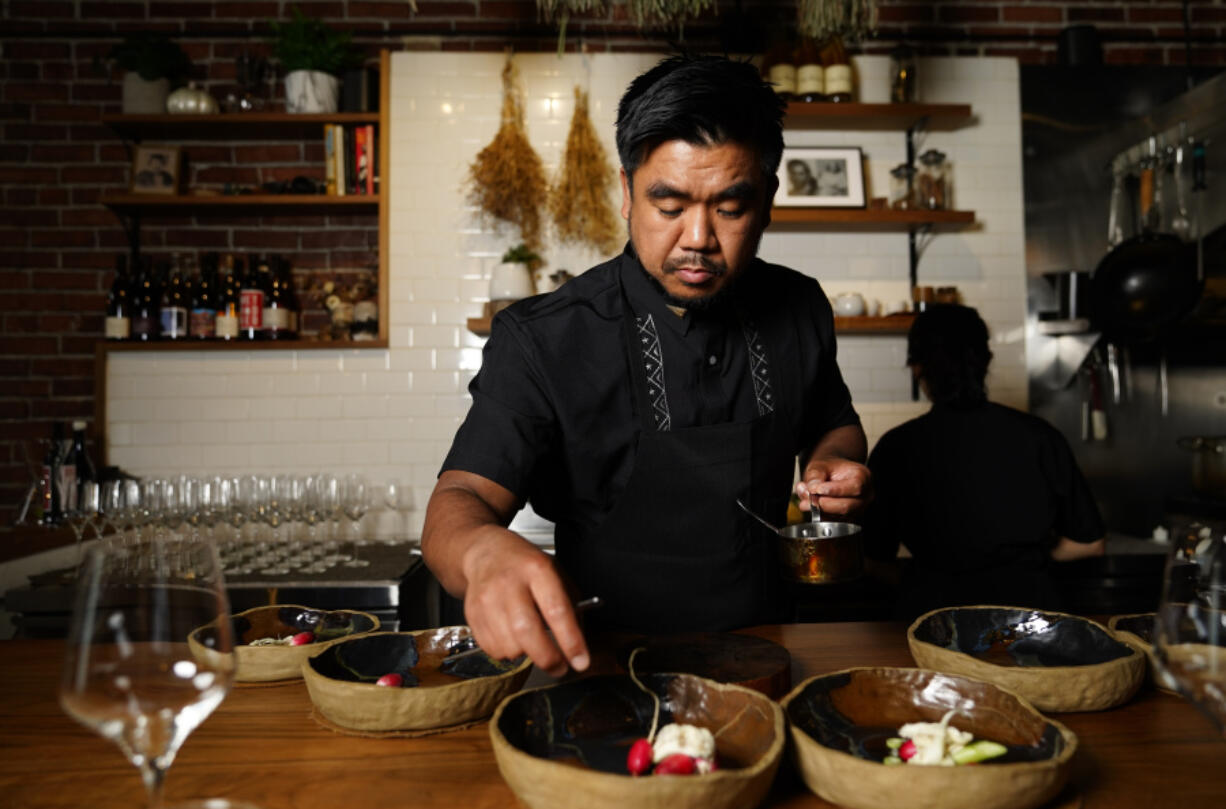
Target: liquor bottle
<point>810,75</point>
<point>276,309</point>
<point>49,478</point>
<point>779,69</point>
<point>174,307</point>
<point>119,303</point>
<point>251,304</point>
<point>839,80</point>
<point>290,296</point>
<point>146,319</point>
<point>82,464</point>
<point>203,325</point>
<point>227,302</point>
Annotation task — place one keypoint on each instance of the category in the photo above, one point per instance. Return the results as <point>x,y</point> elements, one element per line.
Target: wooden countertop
<point>261,745</point>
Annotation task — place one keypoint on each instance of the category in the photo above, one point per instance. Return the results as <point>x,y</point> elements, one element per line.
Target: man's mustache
<point>672,265</point>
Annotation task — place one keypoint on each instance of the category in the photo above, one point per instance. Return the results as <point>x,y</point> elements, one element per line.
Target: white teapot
<point>849,304</point>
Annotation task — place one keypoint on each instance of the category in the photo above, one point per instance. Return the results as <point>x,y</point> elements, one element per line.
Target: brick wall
<point>56,157</point>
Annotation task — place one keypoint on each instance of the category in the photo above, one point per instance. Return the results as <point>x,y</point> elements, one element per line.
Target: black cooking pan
<point>1143,286</point>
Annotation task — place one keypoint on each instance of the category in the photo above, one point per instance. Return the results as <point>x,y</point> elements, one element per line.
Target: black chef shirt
<point>978,495</point>
<point>553,417</point>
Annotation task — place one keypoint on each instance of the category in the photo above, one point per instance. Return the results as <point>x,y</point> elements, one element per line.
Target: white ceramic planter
<point>510,282</point>
<point>311,91</point>
<point>143,97</point>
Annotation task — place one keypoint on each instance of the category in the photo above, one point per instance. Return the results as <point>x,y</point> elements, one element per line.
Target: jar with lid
<point>902,187</point>
<point>839,80</point>
<point>810,75</point>
<point>902,75</point>
<point>933,181</point>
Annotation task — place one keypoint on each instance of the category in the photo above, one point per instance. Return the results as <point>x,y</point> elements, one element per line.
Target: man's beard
<point>704,302</point>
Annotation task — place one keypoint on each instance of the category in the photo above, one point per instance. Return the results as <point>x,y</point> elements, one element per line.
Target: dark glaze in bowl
<point>840,722</point>
<point>1056,661</point>
<point>555,743</point>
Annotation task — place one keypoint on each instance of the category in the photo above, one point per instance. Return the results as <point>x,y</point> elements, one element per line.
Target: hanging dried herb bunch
<point>560,10</point>
<point>822,19</point>
<point>667,12</point>
<point>579,200</point>
<point>507,179</point>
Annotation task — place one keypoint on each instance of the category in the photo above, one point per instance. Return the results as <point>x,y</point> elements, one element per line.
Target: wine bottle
<point>251,303</point>
<point>119,303</point>
<point>50,478</point>
<point>203,324</point>
<point>82,464</point>
<point>227,302</point>
<point>174,307</point>
<point>276,312</point>
<point>146,319</point>
<point>839,79</point>
<point>810,75</point>
<point>779,69</point>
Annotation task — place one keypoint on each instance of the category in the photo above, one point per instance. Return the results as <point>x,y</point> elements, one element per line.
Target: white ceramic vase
<point>144,97</point>
<point>311,91</point>
<point>510,281</point>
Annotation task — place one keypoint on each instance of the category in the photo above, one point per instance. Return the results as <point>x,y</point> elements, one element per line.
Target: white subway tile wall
<point>392,413</point>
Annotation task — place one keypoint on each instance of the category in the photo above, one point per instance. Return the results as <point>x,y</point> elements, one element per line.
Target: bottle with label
<point>82,464</point>
<point>119,303</point>
<point>276,304</point>
<point>227,302</point>
<point>810,75</point>
<point>174,306</point>
<point>289,295</point>
<point>779,69</point>
<point>250,303</point>
<point>203,319</point>
<point>146,317</point>
<point>50,479</point>
<point>839,80</point>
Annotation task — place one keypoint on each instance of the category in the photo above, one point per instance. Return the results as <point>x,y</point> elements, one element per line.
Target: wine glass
<point>398,496</point>
<point>129,674</point>
<point>87,511</point>
<point>1190,626</point>
<point>355,502</point>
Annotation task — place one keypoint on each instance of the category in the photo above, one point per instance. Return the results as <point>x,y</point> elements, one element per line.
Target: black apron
<point>675,553</point>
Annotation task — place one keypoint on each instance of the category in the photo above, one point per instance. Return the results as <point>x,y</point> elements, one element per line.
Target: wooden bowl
<point>563,741</point>
<point>258,664</point>
<point>1137,630</point>
<point>1057,662</point>
<point>341,681</point>
<point>839,724</point>
<point>725,657</point>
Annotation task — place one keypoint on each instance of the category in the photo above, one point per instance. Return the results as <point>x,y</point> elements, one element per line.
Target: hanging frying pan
<point>1143,286</point>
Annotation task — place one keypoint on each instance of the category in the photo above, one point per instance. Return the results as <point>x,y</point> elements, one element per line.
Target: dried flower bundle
<point>507,179</point>
<point>579,200</point>
<point>667,12</point>
<point>822,19</point>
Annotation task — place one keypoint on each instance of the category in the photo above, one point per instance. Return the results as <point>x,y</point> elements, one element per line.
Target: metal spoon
<point>746,509</point>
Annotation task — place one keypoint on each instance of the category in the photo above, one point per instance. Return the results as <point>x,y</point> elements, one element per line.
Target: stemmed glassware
<point>355,502</point>
<point>1190,627</point>
<point>85,513</point>
<point>129,673</point>
<point>398,496</point>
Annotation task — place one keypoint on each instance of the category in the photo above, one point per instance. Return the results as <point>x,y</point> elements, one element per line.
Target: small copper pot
<point>821,553</point>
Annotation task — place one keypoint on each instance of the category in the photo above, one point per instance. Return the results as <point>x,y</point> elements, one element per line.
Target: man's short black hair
<point>949,343</point>
<point>703,100</point>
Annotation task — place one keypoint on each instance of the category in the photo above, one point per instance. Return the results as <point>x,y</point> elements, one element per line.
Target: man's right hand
<point>515,598</point>
<point>513,595</point>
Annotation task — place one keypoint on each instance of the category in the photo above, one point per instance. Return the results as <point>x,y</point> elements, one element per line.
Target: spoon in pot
<point>815,513</point>
<point>745,508</point>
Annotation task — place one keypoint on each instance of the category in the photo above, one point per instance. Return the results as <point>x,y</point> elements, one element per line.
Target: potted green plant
<point>314,56</point>
<point>511,279</point>
<point>154,63</point>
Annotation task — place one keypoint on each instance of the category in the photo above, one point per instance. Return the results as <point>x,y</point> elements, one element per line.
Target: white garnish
<point>935,742</point>
<point>691,740</point>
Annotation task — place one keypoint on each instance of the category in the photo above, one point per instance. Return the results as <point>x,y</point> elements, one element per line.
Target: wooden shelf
<point>189,344</point>
<point>890,324</point>
<point>877,116</point>
<point>243,203</point>
<point>871,218</point>
<point>232,126</point>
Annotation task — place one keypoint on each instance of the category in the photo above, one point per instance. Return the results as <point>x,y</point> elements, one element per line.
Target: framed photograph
<point>155,170</point>
<point>819,177</point>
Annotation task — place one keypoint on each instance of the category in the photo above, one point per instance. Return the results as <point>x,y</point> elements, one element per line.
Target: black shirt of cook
<point>553,416</point>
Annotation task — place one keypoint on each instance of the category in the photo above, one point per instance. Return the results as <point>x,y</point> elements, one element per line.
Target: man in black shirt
<point>637,403</point>
<point>983,496</point>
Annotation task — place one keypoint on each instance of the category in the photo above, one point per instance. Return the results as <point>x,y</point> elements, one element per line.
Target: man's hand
<point>513,595</point>
<point>834,473</point>
<point>515,598</point>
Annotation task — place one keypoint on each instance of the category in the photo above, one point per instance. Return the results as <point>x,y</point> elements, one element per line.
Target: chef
<point>637,403</point>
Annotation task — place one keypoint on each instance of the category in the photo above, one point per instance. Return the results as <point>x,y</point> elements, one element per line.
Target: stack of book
<point>351,159</point>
